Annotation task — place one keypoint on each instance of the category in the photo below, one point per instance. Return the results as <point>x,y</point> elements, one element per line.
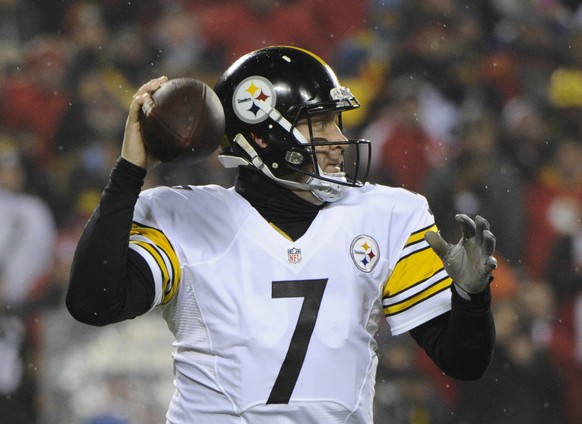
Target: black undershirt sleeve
<point>460,342</point>
<point>108,281</point>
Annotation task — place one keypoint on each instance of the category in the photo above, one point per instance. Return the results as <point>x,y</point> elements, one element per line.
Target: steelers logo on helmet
<point>247,97</point>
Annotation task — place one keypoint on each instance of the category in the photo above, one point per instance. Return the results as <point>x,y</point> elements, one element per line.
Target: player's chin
<point>332,169</point>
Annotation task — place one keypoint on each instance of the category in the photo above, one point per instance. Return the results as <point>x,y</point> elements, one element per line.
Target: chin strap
<point>326,191</point>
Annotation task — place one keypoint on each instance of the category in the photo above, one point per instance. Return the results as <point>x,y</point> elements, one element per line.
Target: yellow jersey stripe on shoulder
<point>159,247</point>
<point>412,269</point>
<point>418,275</point>
<point>418,236</point>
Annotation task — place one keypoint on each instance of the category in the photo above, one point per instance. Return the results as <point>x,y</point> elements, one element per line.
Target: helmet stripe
<point>313,55</point>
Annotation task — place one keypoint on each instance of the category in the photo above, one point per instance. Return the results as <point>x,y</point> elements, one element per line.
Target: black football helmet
<point>265,94</point>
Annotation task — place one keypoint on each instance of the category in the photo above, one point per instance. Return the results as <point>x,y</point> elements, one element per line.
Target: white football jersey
<point>274,331</point>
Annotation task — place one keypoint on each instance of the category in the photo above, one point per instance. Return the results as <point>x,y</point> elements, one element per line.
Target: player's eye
<point>318,125</point>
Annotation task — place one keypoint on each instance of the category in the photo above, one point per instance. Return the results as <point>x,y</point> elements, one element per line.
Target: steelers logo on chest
<point>364,252</point>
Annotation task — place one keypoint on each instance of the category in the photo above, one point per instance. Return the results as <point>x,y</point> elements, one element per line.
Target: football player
<point>274,288</point>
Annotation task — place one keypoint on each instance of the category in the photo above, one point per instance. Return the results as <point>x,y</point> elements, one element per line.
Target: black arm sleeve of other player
<point>460,342</point>
<point>108,281</point>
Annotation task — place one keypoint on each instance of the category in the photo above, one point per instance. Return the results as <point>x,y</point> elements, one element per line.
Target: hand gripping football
<point>183,123</point>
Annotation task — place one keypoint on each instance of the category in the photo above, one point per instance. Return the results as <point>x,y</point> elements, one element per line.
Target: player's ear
<point>261,141</point>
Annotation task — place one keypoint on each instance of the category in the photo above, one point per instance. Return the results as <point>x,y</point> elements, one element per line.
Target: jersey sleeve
<point>152,244</point>
<point>418,288</point>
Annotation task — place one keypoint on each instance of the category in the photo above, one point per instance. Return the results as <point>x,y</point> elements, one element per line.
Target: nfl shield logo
<point>294,255</point>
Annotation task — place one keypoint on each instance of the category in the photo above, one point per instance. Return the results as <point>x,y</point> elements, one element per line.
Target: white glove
<point>469,262</point>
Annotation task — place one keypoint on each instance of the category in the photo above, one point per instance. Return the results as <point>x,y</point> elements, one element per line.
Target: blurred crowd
<point>475,104</point>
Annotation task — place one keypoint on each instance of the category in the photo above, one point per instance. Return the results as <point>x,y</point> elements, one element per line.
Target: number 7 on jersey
<point>312,293</point>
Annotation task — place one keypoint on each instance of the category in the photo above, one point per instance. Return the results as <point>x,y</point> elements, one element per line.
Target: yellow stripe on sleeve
<point>159,247</point>
<point>411,270</point>
<point>157,257</point>
<point>419,235</point>
<point>417,298</point>
<point>418,275</point>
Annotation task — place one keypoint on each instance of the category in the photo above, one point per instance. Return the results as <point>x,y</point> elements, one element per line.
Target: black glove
<point>469,262</point>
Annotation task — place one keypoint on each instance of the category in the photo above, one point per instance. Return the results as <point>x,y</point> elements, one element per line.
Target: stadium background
<point>475,104</point>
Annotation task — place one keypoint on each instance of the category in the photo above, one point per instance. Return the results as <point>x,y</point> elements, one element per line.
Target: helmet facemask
<point>355,154</point>
<point>289,155</point>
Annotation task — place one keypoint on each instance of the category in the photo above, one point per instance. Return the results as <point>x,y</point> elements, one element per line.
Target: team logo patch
<point>247,96</point>
<point>294,255</point>
<point>365,253</point>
